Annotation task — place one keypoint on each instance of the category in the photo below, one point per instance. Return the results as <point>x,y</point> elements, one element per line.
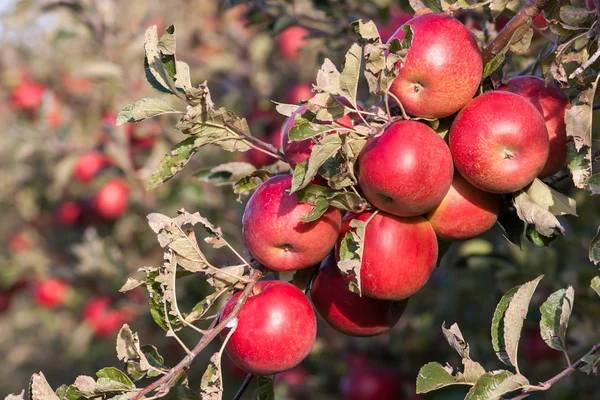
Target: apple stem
<point>168,380</point>
<point>244,386</point>
<point>530,10</point>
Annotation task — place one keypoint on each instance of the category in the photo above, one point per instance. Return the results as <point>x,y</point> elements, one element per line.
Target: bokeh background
<point>68,67</point>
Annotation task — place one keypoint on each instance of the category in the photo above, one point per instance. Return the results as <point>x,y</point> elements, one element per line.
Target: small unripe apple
<point>299,92</point>
<point>370,383</point>
<point>89,164</point>
<point>552,103</point>
<point>111,200</point>
<point>465,211</point>
<point>499,142</point>
<point>274,233</point>
<point>399,254</point>
<point>291,40</point>
<point>443,67</point>
<point>28,96</point>
<point>68,213</point>
<point>276,328</point>
<point>349,312</point>
<point>407,170</point>
<point>104,320</point>
<point>50,293</point>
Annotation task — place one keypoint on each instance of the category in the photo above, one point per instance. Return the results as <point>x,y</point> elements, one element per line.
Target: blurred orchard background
<point>74,203</point>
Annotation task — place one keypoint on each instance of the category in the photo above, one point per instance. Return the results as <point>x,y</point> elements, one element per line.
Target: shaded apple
<point>465,211</point>
<point>5,300</point>
<point>89,164</point>
<point>399,254</point>
<point>535,349</point>
<point>443,67</point>
<point>299,92</point>
<point>407,170</point>
<point>552,103</point>
<point>499,142</point>
<point>274,233</point>
<point>276,328</point>
<point>68,213</point>
<point>370,383</point>
<point>291,40</point>
<point>50,293</point>
<point>348,312</point>
<point>111,200</point>
<point>397,19</point>
<point>258,158</point>
<point>104,320</point>
<point>294,378</point>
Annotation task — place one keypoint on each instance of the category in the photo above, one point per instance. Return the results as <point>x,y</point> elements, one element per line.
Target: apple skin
<point>68,213</point>
<point>50,293</point>
<point>534,348</point>
<point>399,254</point>
<point>407,170</point>
<point>291,41</point>
<point>276,328</point>
<point>111,200</point>
<point>260,159</point>
<point>298,151</point>
<point>102,319</point>
<point>442,70</point>
<point>28,96</point>
<point>89,164</point>
<point>465,211</point>
<point>552,104</point>
<point>299,92</point>
<point>590,5</point>
<point>397,19</point>
<point>499,142</point>
<point>348,312</point>
<point>370,383</point>
<point>274,233</point>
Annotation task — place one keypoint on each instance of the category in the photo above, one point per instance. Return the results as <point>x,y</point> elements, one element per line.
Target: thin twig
<point>166,381</point>
<point>397,100</point>
<point>243,388</point>
<point>266,146</point>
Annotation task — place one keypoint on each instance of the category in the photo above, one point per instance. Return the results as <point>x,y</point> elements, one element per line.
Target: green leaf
<point>323,150</point>
<point>264,389</point>
<point>494,385</point>
<point>456,340</point>
<point>39,389</point>
<point>156,71</point>
<point>251,181</point>
<point>556,312</point>
<point>111,379</point>
<point>538,239</point>
<point>593,184</point>
<point>497,6</point>
<point>551,200</point>
<point>508,319</point>
<point>225,174</point>
<point>576,16</point>
<point>173,162</point>
<point>595,285</point>
<point>319,208</point>
<point>211,386</point>
<point>535,214</point>
<point>144,109</point>
<point>202,307</point>
<point>591,361</point>
<point>472,371</point>
<point>351,251</point>
<point>351,73</point>
<point>433,376</point>
<point>595,248</point>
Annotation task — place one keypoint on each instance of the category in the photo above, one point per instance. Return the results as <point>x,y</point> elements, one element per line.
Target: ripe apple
<point>50,293</point>
<point>291,40</point>
<point>551,103</point>
<point>465,211</point>
<point>5,300</point>
<point>19,242</point>
<point>443,67</point>
<point>399,254</point>
<point>28,95</point>
<point>274,233</point>
<point>293,378</point>
<point>276,328</point>
<point>499,142</point>
<point>407,170</point>
<point>534,348</point>
<point>298,151</point>
<point>370,383</point>
<point>102,319</point>
<point>299,92</point>
<point>68,213</point>
<point>590,5</point>
<point>111,200</point>
<point>397,19</point>
<point>89,164</point>
<point>260,159</point>
<point>349,312</point>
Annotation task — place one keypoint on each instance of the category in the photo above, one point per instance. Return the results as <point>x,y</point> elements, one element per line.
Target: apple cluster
<point>420,187</point>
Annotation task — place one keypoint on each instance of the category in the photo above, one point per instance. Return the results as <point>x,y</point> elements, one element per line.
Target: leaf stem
<point>266,147</point>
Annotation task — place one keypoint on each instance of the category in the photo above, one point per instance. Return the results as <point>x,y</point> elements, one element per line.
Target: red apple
<point>19,242</point>
<point>102,319</point>
<point>534,348</point>
<point>407,170</point>
<point>590,5</point>
<point>276,328</point>
<point>299,92</point>
<point>442,70</point>
<point>274,233</point>
<point>50,293</point>
<point>397,19</point>
<point>111,200</point>
<point>551,103</point>
<point>540,20</point>
<point>291,41</point>
<point>89,164</point>
<point>68,213</point>
<point>465,212</point>
<point>28,95</point>
<point>5,301</point>
<point>371,383</point>
<point>499,142</point>
<point>349,312</point>
<point>501,21</point>
<point>77,86</point>
<point>399,254</point>
<point>294,378</point>
<point>260,159</point>
<point>298,151</point>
